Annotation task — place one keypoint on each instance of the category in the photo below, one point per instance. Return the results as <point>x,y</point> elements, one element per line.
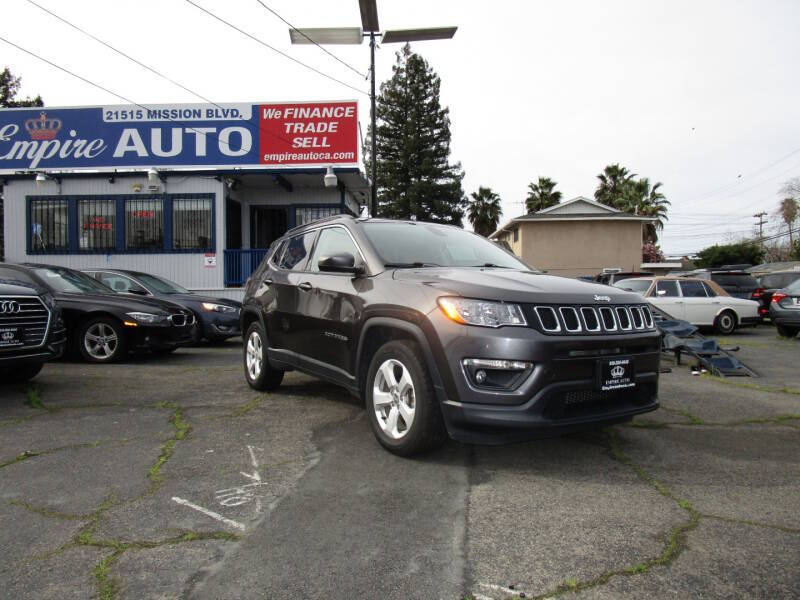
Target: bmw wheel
<point>400,401</point>
<point>102,340</point>
<point>259,373</point>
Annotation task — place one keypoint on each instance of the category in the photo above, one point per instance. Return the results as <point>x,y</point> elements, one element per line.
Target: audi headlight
<point>220,308</point>
<point>482,312</point>
<point>147,318</point>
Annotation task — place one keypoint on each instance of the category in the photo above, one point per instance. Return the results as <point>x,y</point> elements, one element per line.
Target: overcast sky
<point>702,96</point>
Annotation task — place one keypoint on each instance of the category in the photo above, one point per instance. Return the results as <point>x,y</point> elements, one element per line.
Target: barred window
<point>306,215</point>
<point>49,228</point>
<point>96,219</point>
<point>144,224</point>
<point>191,223</point>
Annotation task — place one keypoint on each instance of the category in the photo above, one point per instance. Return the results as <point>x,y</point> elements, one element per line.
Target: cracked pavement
<point>169,478</point>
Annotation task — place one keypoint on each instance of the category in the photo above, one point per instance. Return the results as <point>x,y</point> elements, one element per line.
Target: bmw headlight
<point>146,318</point>
<point>220,308</point>
<point>482,312</point>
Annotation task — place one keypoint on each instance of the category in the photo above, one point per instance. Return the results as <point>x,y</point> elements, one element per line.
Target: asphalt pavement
<point>169,478</point>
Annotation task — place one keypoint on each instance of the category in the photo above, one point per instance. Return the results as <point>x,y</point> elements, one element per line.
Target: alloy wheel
<point>393,399</point>
<point>101,341</point>
<point>255,355</point>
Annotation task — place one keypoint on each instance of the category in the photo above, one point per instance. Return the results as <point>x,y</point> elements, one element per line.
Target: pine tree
<point>415,178</point>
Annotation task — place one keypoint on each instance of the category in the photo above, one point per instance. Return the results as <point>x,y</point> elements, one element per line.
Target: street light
<point>355,35</point>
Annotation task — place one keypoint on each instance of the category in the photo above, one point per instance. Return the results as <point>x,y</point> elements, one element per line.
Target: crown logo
<point>617,372</point>
<point>43,128</point>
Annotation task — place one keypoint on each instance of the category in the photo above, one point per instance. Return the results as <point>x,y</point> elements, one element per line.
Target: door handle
<point>268,282</point>
<point>305,286</point>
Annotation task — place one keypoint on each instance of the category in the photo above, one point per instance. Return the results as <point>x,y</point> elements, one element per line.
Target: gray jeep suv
<point>441,332</point>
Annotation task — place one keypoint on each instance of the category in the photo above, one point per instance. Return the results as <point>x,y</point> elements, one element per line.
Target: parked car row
<point>100,315</point>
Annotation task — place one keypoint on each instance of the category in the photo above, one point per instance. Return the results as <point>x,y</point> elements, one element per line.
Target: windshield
<point>794,288</point>
<point>634,285</point>
<point>72,282</point>
<point>162,286</point>
<point>427,244</point>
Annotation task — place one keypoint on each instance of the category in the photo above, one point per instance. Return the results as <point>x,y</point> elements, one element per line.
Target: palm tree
<point>484,211</point>
<point>642,199</point>
<point>788,212</point>
<point>542,195</point>
<point>613,183</point>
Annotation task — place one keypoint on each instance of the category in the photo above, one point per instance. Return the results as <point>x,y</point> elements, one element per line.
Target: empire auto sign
<point>292,134</point>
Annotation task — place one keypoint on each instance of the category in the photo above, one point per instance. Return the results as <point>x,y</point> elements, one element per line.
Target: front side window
<point>49,225</point>
<point>693,289</point>
<point>334,240</point>
<point>191,223</point>
<point>667,289</point>
<point>144,224</point>
<point>297,250</point>
<point>96,224</point>
<point>308,214</point>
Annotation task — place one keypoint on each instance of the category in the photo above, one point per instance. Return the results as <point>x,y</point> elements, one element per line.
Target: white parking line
<point>209,513</point>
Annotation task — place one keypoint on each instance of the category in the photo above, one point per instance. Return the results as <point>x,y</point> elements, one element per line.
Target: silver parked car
<point>784,310</point>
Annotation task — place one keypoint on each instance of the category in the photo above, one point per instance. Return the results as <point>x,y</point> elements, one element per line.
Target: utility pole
<point>760,216</point>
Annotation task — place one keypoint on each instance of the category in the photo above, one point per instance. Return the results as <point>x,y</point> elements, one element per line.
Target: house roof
<point>576,209</point>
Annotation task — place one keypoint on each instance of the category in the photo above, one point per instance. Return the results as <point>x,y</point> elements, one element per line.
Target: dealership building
<point>195,193</point>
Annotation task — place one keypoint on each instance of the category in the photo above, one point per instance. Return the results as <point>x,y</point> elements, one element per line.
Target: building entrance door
<point>267,224</point>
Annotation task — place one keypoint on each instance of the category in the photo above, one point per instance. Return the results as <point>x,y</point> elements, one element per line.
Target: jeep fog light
<point>496,374</point>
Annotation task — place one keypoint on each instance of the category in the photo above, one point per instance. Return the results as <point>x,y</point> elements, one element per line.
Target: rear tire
<point>102,340</point>
<point>400,401</point>
<point>787,332</point>
<point>725,323</point>
<point>260,375</point>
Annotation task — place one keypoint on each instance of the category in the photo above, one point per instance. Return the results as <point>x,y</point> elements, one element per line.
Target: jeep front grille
<point>30,313</point>
<point>582,320</point>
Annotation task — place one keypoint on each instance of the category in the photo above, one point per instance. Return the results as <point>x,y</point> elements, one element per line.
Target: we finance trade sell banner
<point>290,134</point>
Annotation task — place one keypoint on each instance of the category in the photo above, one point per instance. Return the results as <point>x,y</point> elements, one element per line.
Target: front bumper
<point>53,348</point>
<point>217,326</point>
<point>146,337</point>
<point>562,393</point>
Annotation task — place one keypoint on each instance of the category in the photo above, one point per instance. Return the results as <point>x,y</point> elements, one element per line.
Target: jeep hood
<point>512,285</point>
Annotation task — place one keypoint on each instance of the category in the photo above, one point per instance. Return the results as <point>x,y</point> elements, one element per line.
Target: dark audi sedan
<point>102,325</point>
<point>441,332</point>
<point>218,318</point>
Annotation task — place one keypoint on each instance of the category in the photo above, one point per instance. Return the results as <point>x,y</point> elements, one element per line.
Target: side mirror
<point>340,263</point>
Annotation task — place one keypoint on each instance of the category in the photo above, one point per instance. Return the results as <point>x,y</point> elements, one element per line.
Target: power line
<point>325,50</point>
<point>266,45</point>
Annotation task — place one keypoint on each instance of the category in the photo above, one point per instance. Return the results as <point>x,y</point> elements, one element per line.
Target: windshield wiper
<point>411,265</point>
<point>492,265</point>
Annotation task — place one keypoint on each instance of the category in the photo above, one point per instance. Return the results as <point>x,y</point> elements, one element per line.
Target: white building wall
<point>184,269</point>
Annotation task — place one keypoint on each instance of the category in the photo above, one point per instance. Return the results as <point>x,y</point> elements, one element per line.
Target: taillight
<point>758,292</point>
<point>777,297</point>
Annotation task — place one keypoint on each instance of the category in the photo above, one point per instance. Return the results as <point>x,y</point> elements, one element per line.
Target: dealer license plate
<point>616,374</point>
<point>10,337</point>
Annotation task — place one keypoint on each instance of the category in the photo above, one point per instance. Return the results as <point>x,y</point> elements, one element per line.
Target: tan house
<point>577,237</point>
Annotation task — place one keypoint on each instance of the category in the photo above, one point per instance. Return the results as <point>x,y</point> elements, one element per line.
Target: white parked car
<point>701,302</point>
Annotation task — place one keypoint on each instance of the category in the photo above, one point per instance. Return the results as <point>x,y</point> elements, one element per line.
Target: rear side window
<point>693,289</point>
<point>295,255</point>
<point>712,293</point>
<point>276,256</point>
<point>667,289</point>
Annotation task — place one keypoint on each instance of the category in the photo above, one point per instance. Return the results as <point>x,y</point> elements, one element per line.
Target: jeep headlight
<point>482,312</point>
<point>220,308</point>
<point>146,318</point>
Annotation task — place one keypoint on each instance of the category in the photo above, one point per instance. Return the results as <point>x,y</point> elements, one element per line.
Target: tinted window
<point>297,250</point>
<point>435,245</point>
<point>693,289</point>
<point>712,293</point>
<point>778,280</point>
<point>119,283</point>
<point>73,282</point>
<point>735,280</point>
<point>667,288</point>
<point>334,240</point>
<point>639,286</point>
<point>161,285</point>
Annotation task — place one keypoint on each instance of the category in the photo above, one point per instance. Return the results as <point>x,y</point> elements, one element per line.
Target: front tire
<point>260,375</point>
<point>102,340</point>
<point>787,332</point>
<point>725,322</point>
<point>400,400</point>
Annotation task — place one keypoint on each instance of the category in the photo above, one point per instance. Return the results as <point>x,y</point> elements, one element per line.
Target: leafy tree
<point>795,253</point>
<point>541,195</point>
<point>745,252</point>
<point>613,185</point>
<point>9,87</point>
<point>415,178</point>
<point>788,212</point>
<point>652,253</point>
<point>484,211</point>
